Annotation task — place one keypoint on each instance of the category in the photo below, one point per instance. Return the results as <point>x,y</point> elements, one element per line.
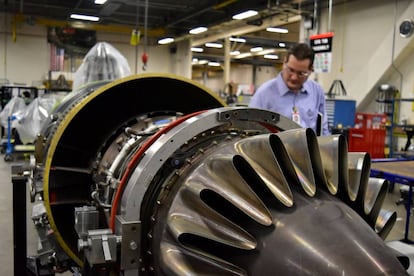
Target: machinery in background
<point>389,101</point>
<point>365,132</point>
<point>13,102</point>
<point>153,175</point>
<point>60,84</point>
<point>236,94</point>
<point>340,108</point>
<point>103,62</point>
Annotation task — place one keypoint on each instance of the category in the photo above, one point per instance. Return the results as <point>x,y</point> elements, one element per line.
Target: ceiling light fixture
<point>100,2</point>
<point>282,44</point>
<point>245,15</point>
<point>237,39</point>
<point>265,52</point>
<point>84,17</point>
<point>243,55</point>
<point>166,40</point>
<point>214,45</point>
<point>277,30</point>
<point>198,30</point>
<point>234,53</point>
<point>256,49</point>
<point>197,49</point>
<point>271,56</point>
<point>213,63</point>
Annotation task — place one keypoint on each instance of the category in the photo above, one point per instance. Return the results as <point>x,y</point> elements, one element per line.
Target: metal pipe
<point>316,14</point>
<point>330,15</point>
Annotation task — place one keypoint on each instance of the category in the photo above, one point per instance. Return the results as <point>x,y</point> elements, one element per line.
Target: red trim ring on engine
<point>132,163</point>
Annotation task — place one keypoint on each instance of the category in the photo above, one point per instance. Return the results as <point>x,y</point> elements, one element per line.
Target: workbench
<point>398,171</point>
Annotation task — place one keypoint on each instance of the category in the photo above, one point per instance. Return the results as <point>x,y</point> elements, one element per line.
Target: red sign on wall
<point>322,46</point>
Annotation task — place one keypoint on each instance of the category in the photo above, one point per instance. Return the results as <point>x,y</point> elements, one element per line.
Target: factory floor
<point>6,222</point>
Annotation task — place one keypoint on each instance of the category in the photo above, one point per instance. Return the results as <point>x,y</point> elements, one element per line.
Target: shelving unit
<point>387,94</point>
<point>400,130</point>
<point>389,102</point>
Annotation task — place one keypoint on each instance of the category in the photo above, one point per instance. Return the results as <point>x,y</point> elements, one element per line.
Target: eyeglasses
<point>300,74</point>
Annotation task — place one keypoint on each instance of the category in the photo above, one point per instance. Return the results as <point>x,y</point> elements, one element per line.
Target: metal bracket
<point>130,244</point>
<point>100,246</point>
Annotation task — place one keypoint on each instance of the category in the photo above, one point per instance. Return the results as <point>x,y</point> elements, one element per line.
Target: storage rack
<point>389,102</point>
<point>386,104</point>
<point>395,124</point>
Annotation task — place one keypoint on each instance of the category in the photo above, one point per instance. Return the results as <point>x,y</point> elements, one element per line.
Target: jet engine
<point>153,175</point>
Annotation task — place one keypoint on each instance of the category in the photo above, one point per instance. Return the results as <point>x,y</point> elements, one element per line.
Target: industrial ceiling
<point>162,18</point>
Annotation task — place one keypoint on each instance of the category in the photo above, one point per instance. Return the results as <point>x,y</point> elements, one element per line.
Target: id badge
<point>295,115</point>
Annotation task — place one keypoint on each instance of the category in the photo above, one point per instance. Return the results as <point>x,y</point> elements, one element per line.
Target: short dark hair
<point>301,51</point>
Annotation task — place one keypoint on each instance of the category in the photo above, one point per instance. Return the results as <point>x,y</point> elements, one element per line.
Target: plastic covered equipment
<point>102,62</point>
<point>15,107</point>
<point>31,120</point>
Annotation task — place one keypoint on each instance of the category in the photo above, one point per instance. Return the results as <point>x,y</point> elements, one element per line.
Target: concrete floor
<point>6,223</point>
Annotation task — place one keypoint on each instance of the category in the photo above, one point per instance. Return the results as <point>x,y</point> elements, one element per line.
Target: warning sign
<point>322,46</point>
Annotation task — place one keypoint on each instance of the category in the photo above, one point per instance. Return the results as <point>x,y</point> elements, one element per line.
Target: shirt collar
<point>282,87</point>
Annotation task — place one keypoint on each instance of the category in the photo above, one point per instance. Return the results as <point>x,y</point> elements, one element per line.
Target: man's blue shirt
<point>274,95</point>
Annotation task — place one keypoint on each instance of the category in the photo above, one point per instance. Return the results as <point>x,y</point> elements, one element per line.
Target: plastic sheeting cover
<point>102,62</point>
<point>30,121</point>
<point>15,107</point>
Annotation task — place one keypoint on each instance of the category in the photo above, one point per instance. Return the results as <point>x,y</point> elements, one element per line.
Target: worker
<point>231,98</point>
<point>292,94</point>
<point>27,97</point>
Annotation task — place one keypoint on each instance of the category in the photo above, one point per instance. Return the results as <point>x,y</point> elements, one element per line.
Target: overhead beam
<point>86,26</point>
<point>273,21</point>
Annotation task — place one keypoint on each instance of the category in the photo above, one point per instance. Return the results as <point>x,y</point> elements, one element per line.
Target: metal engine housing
<point>153,174</point>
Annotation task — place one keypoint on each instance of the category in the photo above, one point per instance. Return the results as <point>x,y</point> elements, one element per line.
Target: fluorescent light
<point>282,44</point>
<point>100,2</point>
<point>237,39</point>
<point>197,49</point>
<point>256,49</point>
<point>166,40</point>
<point>271,56</point>
<point>234,53</point>
<point>265,52</point>
<point>243,55</point>
<point>198,30</point>
<point>84,17</point>
<point>213,45</point>
<point>203,61</point>
<point>245,15</point>
<point>277,30</point>
<point>213,63</point>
